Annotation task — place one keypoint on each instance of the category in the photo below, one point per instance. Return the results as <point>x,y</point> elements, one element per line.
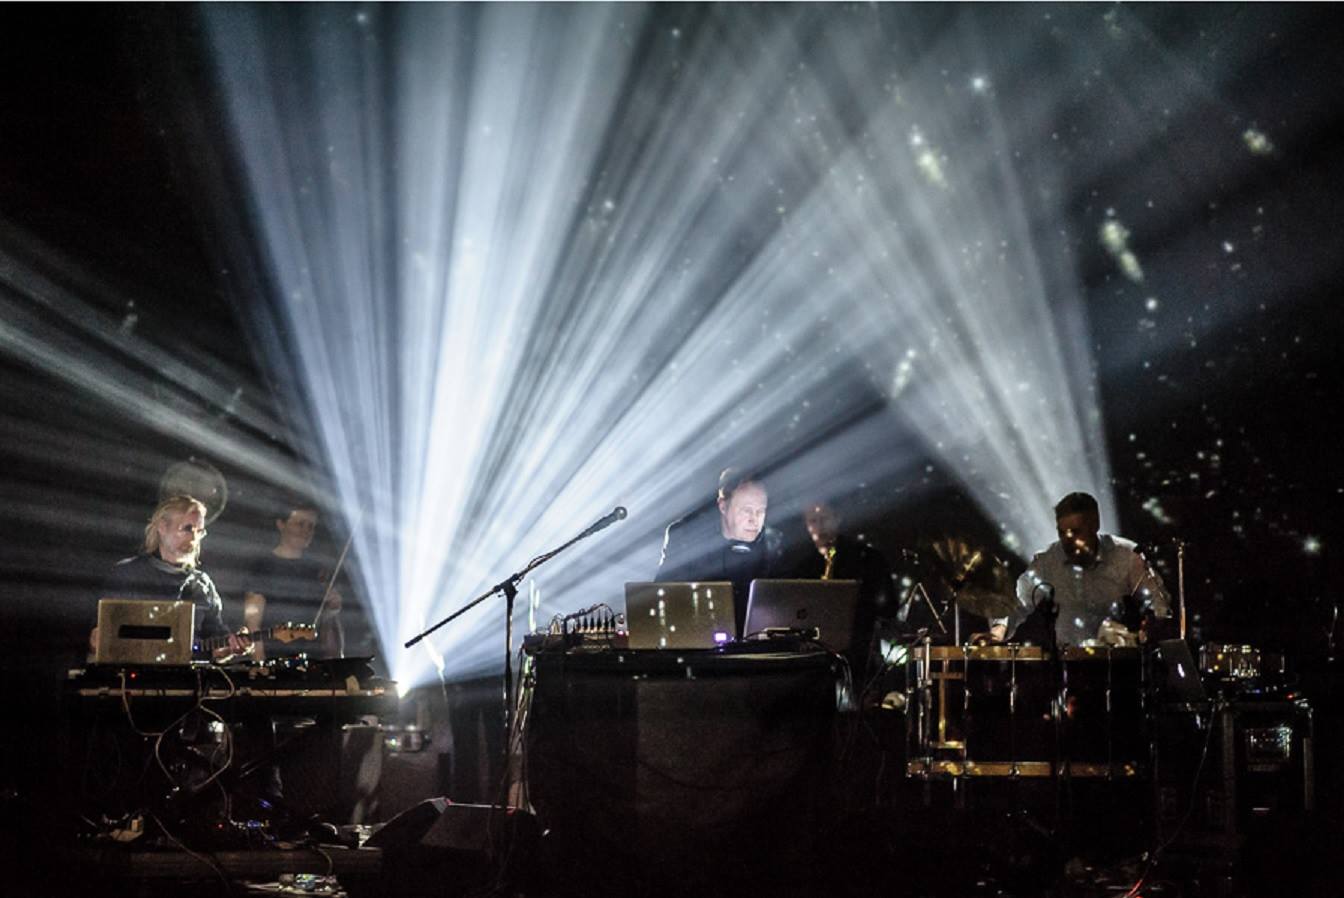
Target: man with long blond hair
<point>167,568</point>
<point>175,530</point>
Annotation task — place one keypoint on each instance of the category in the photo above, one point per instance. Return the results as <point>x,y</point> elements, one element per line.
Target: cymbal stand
<point>1330,633</point>
<point>1180,582</point>
<point>933,610</point>
<point>924,714</point>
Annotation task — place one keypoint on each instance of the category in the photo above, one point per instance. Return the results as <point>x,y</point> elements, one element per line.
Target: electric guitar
<point>281,633</point>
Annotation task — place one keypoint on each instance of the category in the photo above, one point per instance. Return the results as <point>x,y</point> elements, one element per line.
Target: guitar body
<point>283,633</point>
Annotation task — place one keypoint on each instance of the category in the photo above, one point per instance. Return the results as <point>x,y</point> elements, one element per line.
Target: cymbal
<point>952,555</point>
<point>199,479</point>
<point>987,603</point>
<point>965,566</point>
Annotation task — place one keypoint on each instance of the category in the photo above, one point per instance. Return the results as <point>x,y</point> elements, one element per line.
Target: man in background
<point>842,557</point>
<point>286,586</point>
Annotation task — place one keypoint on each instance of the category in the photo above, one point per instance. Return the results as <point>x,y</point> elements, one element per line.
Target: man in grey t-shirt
<point>1093,577</point>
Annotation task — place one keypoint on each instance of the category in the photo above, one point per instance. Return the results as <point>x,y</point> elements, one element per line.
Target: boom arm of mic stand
<point>509,589</point>
<point>500,588</point>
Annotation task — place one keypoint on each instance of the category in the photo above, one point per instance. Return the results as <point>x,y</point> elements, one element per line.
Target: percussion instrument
<point>996,711</point>
<point>1237,662</point>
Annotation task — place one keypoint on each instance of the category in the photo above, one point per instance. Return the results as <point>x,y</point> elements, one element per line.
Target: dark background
<point>1226,411</point>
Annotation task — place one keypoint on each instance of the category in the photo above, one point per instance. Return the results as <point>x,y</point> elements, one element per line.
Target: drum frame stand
<point>1083,710</point>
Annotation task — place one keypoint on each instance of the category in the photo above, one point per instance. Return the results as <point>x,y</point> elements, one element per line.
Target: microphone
<point>617,514</point>
<point>1047,592</point>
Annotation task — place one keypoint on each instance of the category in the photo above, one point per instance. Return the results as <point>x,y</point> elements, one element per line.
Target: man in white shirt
<point>1092,577</point>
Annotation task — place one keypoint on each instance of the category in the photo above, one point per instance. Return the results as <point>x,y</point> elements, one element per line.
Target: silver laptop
<point>1181,681</point>
<point>140,631</point>
<point>827,605</point>
<point>679,615</point>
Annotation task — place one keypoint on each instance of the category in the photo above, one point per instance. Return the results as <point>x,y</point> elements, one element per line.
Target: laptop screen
<point>139,631</point>
<point>829,606</point>
<point>1179,680</point>
<point>679,615</point>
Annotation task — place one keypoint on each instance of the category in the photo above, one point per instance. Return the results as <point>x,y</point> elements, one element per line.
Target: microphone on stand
<point>1050,611</point>
<point>617,514</point>
<point>1047,601</point>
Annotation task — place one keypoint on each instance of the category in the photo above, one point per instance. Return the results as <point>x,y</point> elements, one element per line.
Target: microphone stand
<point>331,584</point>
<point>1050,612</point>
<point>509,589</point>
<point>1180,582</point>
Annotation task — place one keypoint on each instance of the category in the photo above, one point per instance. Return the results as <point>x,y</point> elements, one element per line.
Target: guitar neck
<point>219,642</point>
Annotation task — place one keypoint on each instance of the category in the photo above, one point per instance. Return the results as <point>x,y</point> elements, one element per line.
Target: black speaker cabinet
<point>439,849</point>
<point>1255,786</point>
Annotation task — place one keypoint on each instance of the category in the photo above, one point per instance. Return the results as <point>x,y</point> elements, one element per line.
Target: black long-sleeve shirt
<point>150,577</point>
<point>695,550</point>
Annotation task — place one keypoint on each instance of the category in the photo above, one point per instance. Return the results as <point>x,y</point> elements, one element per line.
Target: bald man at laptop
<point>726,542</point>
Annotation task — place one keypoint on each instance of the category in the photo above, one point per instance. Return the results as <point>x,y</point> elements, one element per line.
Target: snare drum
<point>991,711</point>
<point>1237,662</point>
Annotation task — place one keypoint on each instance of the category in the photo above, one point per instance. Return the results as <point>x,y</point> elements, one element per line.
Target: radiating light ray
<point>73,341</point>
<point>71,326</point>
<point>589,261</point>
<point>966,406</point>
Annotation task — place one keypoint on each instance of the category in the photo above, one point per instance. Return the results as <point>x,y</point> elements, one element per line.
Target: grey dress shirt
<point>1087,596</point>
